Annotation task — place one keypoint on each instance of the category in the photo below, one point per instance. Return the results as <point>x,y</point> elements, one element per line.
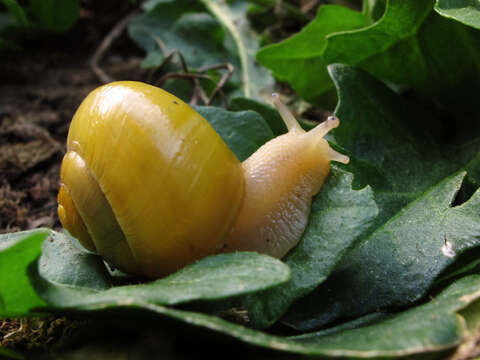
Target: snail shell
<point>149,185</point>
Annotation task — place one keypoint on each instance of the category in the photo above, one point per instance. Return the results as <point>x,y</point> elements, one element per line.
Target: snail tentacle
<point>287,116</point>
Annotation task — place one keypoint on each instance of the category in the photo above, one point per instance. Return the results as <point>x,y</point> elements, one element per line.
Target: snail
<point>150,186</point>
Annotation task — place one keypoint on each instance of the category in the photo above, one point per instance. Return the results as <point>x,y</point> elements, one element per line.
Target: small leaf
<point>244,131</point>
<point>465,11</point>
<point>64,261</point>
<point>17,251</point>
<point>210,278</point>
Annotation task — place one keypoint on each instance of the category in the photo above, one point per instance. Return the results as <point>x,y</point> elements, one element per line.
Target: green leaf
<point>300,60</point>
<point>64,261</point>
<point>176,26</point>
<point>400,256</point>
<point>388,148</point>
<point>465,11</point>
<point>17,251</point>
<point>441,328</point>
<point>211,278</point>
<point>389,48</point>
<point>404,47</point>
<point>56,15</point>
<point>244,131</point>
<point>397,263</point>
<point>339,215</point>
<point>431,327</point>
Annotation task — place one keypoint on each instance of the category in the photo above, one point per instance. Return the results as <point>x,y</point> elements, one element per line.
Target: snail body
<point>148,184</point>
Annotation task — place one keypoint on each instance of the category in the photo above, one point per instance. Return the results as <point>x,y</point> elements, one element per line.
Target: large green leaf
<point>399,261</point>
<point>211,278</point>
<point>17,251</point>
<point>339,215</point>
<point>465,11</point>
<point>390,47</point>
<point>299,60</point>
<point>402,253</point>
<point>389,148</point>
<point>441,328</point>
<point>435,321</point>
<point>405,47</point>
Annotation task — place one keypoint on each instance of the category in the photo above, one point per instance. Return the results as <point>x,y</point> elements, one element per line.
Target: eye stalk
<point>287,116</point>
<point>317,132</point>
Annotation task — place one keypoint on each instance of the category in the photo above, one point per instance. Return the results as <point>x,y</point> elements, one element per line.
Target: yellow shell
<point>146,182</point>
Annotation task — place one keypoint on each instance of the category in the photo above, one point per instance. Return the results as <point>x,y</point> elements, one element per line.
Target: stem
<point>222,13</point>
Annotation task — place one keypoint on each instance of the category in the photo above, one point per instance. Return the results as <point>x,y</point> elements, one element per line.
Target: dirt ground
<point>40,88</point>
